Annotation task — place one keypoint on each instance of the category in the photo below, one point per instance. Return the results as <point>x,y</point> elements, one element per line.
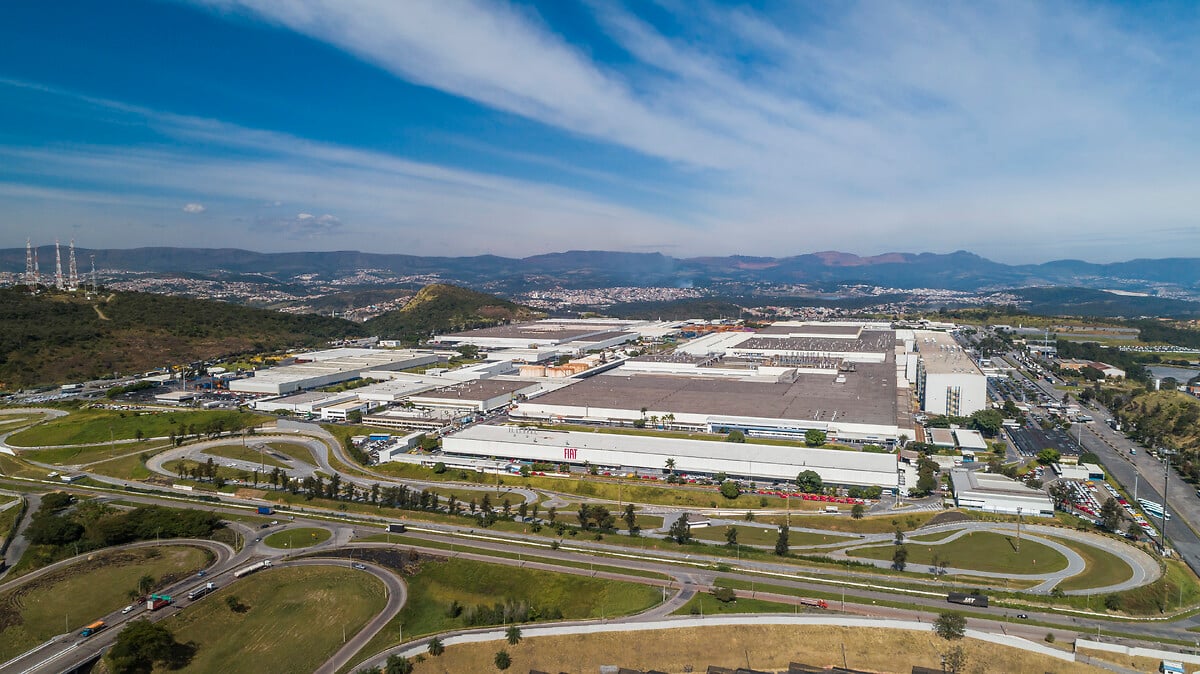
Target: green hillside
<point>1170,419</point>
<point>445,308</point>
<point>59,337</point>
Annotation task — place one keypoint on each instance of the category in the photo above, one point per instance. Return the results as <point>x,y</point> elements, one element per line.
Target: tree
<point>145,584</point>
<point>729,489</point>
<point>1048,456</point>
<point>680,531</point>
<point>926,482</point>
<point>630,518</point>
<point>513,635</point>
<point>858,511</point>
<point>900,557</point>
<point>735,436</point>
<point>235,604</point>
<point>671,466</point>
<point>1060,494</point>
<point>954,660</point>
<point>1110,515</point>
<point>987,421</point>
<point>950,625</point>
<point>354,416</point>
<point>436,647</point>
<point>143,644</point>
<point>1112,602</point>
<point>731,536</point>
<point>503,660</point>
<point>809,482</point>
<point>724,594</point>
<point>781,541</point>
<point>814,438</point>
<point>398,664</point>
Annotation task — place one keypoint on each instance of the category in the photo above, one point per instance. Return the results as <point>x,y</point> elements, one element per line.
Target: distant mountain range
<point>593,269</point>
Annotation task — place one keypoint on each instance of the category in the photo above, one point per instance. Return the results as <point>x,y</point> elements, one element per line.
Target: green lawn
<point>706,604</point>
<point>298,452</point>
<point>978,551</point>
<point>1103,567</point>
<point>878,524</point>
<point>470,583</point>
<point>98,426</point>
<point>293,623</point>
<point>73,597</point>
<point>299,537</point>
<point>929,538</point>
<point>751,535</point>
<point>247,453</point>
<point>8,516</point>
<point>73,456</point>
<point>127,468</point>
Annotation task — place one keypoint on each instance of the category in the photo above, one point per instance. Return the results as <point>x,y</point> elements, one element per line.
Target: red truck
<point>819,603</point>
<point>157,601</point>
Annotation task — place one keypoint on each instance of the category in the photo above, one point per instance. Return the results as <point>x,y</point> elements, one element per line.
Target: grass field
<point>1103,567</point>
<point>879,524</point>
<point>8,516</point>
<point>127,467</point>
<point>39,610</point>
<point>750,535</point>
<point>300,537</point>
<point>706,604</point>
<point>73,456</point>
<point>293,622</point>
<point>297,452</point>
<point>978,551</point>
<point>99,426</point>
<point>470,583</point>
<point>762,647</point>
<point>10,465</point>
<point>247,453</point>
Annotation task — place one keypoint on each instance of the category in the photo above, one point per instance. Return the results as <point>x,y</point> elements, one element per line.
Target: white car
<point>127,609</point>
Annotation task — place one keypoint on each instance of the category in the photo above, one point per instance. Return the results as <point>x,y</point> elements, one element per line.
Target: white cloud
<point>194,208</point>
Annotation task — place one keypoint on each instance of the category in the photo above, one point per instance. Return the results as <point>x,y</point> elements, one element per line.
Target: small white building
<point>341,411</point>
<point>995,493</point>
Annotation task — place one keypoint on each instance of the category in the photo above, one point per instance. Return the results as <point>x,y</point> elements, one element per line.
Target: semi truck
<point>819,603</point>
<point>265,510</point>
<point>91,629</point>
<point>979,600</point>
<point>157,601</point>
<point>201,591</point>
<point>258,566</point>
<point>396,528</point>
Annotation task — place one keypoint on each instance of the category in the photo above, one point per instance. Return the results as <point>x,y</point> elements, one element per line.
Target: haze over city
<point>1021,131</point>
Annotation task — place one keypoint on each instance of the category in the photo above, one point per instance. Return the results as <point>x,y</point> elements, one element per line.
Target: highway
<point>689,573</point>
<point>1144,475</point>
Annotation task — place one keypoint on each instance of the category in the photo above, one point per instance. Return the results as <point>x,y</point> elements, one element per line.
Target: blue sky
<point>1023,131</point>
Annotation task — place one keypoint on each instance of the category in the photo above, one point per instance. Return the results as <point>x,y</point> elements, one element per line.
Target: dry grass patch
<point>766,647</point>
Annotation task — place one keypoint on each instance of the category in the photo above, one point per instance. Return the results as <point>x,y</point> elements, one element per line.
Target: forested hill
<point>61,337</point>
<point>446,308</point>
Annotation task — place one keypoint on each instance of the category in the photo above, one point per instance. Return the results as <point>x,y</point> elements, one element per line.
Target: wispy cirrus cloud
<point>194,208</point>
<point>894,119</point>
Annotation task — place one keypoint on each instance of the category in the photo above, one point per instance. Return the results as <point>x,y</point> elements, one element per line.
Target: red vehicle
<point>819,603</point>
<point>157,601</point>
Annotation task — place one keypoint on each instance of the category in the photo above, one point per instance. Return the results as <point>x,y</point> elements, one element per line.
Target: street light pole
<point>1019,509</point>
<point>1162,534</point>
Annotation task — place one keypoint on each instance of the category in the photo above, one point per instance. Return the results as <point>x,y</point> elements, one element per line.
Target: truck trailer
<point>200,591</point>
<point>819,603</point>
<point>258,566</point>
<point>91,629</point>
<point>979,600</point>
<point>157,601</point>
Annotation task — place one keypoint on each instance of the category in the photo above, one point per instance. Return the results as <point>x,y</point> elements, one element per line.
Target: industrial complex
<point>539,392</point>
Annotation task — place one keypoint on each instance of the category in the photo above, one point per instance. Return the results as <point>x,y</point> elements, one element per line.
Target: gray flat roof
<point>869,342</point>
<point>868,396</point>
<point>478,390</point>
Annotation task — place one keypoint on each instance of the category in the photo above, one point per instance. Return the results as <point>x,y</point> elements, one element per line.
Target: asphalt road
<point>1144,474</point>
